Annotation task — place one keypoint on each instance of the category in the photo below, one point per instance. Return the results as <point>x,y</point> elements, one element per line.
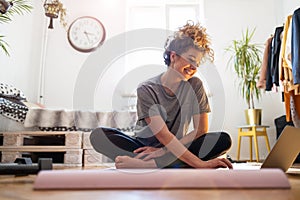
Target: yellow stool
<point>252,131</point>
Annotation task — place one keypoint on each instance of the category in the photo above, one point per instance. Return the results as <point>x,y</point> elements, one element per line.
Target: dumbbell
<point>24,166</point>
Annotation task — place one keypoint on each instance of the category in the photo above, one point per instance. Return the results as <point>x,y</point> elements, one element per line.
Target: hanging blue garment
<point>296,46</point>
<point>273,67</point>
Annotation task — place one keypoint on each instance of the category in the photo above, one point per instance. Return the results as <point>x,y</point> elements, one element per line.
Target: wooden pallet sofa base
<point>76,147</point>
<point>14,145</point>
<point>90,156</point>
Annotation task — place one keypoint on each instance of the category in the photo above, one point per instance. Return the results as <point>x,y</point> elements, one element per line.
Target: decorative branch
<point>55,9</point>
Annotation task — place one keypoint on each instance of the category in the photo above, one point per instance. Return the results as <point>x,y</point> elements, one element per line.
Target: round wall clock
<point>85,34</point>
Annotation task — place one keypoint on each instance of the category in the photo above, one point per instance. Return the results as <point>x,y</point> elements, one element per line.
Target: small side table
<point>252,131</point>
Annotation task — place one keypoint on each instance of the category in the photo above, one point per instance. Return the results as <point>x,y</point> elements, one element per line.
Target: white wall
<point>288,7</point>
<point>24,35</point>
<point>225,20</point>
<point>63,63</point>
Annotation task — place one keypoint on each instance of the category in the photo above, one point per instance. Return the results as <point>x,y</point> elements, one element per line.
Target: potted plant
<point>246,62</point>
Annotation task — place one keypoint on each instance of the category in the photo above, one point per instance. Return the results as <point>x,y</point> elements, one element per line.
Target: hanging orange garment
<point>285,73</point>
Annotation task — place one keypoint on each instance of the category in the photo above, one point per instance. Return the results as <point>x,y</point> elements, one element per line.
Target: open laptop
<point>284,152</point>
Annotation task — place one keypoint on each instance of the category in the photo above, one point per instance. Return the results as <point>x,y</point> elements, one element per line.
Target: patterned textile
<point>69,120</point>
<point>11,103</point>
<point>12,107</point>
<point>13,110</point>
<point>9,91</point>
<point>294,114</point>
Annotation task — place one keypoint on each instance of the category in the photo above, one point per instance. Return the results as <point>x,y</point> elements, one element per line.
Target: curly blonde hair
<point>190,35</point>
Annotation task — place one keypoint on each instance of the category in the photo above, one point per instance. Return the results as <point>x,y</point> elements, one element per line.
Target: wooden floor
<point>12,187</point>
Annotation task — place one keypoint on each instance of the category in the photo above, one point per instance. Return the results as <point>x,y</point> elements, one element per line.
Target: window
<point>159,14</point>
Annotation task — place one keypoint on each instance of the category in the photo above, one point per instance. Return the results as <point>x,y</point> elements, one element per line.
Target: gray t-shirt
<point>176,110</point>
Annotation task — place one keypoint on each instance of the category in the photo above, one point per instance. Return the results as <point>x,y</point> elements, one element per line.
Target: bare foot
<point>126,162</point>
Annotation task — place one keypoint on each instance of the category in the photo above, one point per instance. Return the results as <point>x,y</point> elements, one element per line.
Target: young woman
<point>166,105</point>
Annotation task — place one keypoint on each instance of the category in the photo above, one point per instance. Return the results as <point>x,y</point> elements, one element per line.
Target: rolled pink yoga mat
<point>161,179</point>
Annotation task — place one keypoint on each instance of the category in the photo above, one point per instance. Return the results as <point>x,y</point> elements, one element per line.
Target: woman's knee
<point>99,136</point>
<point>221,138</point>
<point>226,140</point>
<point>101,131</point>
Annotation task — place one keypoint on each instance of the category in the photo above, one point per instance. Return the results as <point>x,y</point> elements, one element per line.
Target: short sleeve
<point>202,104</point>
<point>147,103</point>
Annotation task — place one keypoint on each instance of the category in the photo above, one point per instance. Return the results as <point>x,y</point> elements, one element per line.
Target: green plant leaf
<point>246,61</point>
<point>4,45</point>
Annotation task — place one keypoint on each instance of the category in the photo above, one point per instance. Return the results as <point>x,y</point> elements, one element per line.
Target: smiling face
<point>186,64</point>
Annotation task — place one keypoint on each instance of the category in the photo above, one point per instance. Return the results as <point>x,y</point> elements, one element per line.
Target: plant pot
<point>253,116</point>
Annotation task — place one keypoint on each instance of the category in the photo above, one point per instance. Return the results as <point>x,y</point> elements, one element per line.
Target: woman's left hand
<point>147,152</point>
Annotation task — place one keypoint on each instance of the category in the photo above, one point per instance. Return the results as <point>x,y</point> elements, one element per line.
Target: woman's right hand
<point>216,163</point>
<point>147,153</point>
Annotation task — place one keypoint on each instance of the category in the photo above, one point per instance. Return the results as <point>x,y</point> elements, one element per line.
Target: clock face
<point>86,33</point>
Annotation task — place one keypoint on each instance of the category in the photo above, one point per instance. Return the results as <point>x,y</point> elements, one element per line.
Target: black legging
<point>112,143</point>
